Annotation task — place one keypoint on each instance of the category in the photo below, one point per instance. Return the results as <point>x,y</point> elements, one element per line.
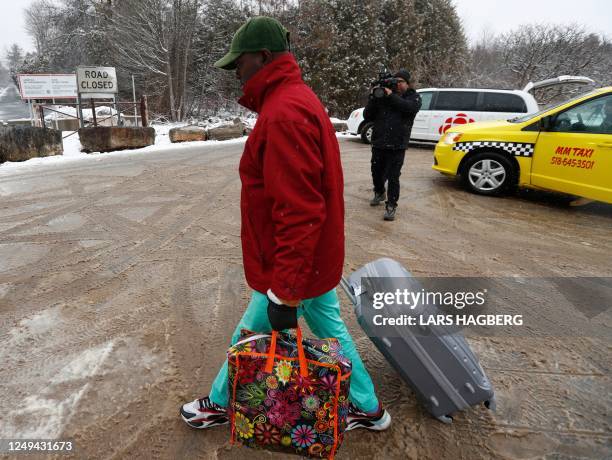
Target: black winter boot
<point>390,212</point>
<point>378,198</point>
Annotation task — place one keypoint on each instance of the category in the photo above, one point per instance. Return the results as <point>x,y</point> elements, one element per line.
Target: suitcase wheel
<point>448,419</point>
<point>491,404</point>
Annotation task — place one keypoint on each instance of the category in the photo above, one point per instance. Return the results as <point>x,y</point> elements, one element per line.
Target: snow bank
<point>72,151</point>
<point>68,111</point>
<point>72,145</point>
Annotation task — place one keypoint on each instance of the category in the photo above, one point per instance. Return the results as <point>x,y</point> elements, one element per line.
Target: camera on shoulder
<point>385,80</point>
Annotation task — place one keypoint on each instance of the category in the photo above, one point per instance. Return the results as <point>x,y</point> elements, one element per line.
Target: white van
<point>442,108</point>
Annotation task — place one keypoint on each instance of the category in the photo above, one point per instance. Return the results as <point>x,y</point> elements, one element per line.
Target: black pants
<point>387,166</point>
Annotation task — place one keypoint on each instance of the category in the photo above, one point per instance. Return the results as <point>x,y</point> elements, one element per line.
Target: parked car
<point>443,108</point>
<point>566,148</point>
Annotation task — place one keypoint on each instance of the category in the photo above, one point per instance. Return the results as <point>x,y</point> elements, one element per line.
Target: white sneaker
<point>378,421</point>
<point>203,413</point>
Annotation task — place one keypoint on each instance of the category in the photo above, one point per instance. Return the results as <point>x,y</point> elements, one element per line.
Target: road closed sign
<point>97,82</point>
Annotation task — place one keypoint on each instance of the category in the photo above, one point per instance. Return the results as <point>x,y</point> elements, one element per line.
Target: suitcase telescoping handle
<point>344,284</point>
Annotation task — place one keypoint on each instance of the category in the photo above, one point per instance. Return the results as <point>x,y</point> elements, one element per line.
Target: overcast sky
<point>477,15</point>
<point>12,28</point>
<point>502,16</point>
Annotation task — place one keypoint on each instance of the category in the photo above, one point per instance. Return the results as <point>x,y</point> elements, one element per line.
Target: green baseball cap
<point>256,34</point>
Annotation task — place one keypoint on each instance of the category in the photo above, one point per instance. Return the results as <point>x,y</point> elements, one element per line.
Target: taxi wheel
<point>488,173</point>
<point>366,133</point>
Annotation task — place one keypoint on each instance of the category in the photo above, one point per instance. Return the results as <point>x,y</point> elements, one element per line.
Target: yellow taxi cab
<point>566,148</point>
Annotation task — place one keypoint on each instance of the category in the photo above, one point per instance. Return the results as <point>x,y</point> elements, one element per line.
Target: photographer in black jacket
<point>393,115</point>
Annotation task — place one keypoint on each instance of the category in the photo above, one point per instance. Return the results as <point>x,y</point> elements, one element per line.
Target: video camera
<point>385,80</point>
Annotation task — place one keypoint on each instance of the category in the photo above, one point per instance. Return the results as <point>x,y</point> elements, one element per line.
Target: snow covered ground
<point>72,146</point>
<point>72,151</point>
<point>67,111</point>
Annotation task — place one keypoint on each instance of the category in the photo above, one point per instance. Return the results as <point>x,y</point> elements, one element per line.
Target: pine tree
<point>443,50</point>
<point>214,89</point>
<point>5,76</point>
<point>14,59</point>
<point>403,33</point>
<point>341,48</point>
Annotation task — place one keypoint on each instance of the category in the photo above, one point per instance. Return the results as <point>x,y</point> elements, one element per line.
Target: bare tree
<point>537,52</point>
<point>39,18</point>
<point>155,37</point>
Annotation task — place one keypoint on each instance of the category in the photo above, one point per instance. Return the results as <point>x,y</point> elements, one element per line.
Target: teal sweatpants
<point>322,315</point>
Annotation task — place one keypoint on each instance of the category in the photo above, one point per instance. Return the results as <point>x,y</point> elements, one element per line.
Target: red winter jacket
<point>291,202</point>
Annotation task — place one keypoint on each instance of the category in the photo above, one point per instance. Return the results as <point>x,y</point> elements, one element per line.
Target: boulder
<point>109,138</point>
<point>131,120</point>
<point>17,122</point>
<point>340,126</point>
<point>66,124</point>
<point>222,133</point>
<point>187,134</point>
<point>20,143</point>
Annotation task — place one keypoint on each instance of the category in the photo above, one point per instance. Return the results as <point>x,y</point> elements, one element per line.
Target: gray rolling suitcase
<point>438,364</point>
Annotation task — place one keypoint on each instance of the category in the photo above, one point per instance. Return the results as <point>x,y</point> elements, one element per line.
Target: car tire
<point>488,173</point>
<point>366,133</point>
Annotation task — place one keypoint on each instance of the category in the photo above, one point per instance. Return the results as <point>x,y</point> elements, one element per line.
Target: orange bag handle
<point>301,355</point>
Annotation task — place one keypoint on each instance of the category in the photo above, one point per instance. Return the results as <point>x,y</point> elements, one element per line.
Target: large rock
<point>222,133</point>
<point>130,120</point>
<point>17,122</point>
<point>109,138</point>
<point>340,126</point>
<point>66,124</point>
<point>20,143</point>
<point>187,134</point>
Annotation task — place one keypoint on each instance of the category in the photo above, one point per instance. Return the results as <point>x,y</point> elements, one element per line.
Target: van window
<point>502,102</point>
<point>456,100</point>
<point>426,100</point>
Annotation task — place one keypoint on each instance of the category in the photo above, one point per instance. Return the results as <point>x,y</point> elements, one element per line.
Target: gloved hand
<point>282,316</point>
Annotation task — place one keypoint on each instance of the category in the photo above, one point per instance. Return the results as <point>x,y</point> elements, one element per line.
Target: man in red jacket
<point>292,210</point>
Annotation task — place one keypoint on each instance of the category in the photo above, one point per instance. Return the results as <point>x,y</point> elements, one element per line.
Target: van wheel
<point>488,173</point>
<point>366,133</point>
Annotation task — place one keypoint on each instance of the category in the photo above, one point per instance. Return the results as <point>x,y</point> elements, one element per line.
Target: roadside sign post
<point>41,112</point>
<point>144,111</point>
<point>80,111</point>
<point>88,83</point>
<point>93,112</point>
<point>31,112</point>
<point>98,83</point>
<point>46,86</point>
<point>134,96</point>
<point>54,118</point>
